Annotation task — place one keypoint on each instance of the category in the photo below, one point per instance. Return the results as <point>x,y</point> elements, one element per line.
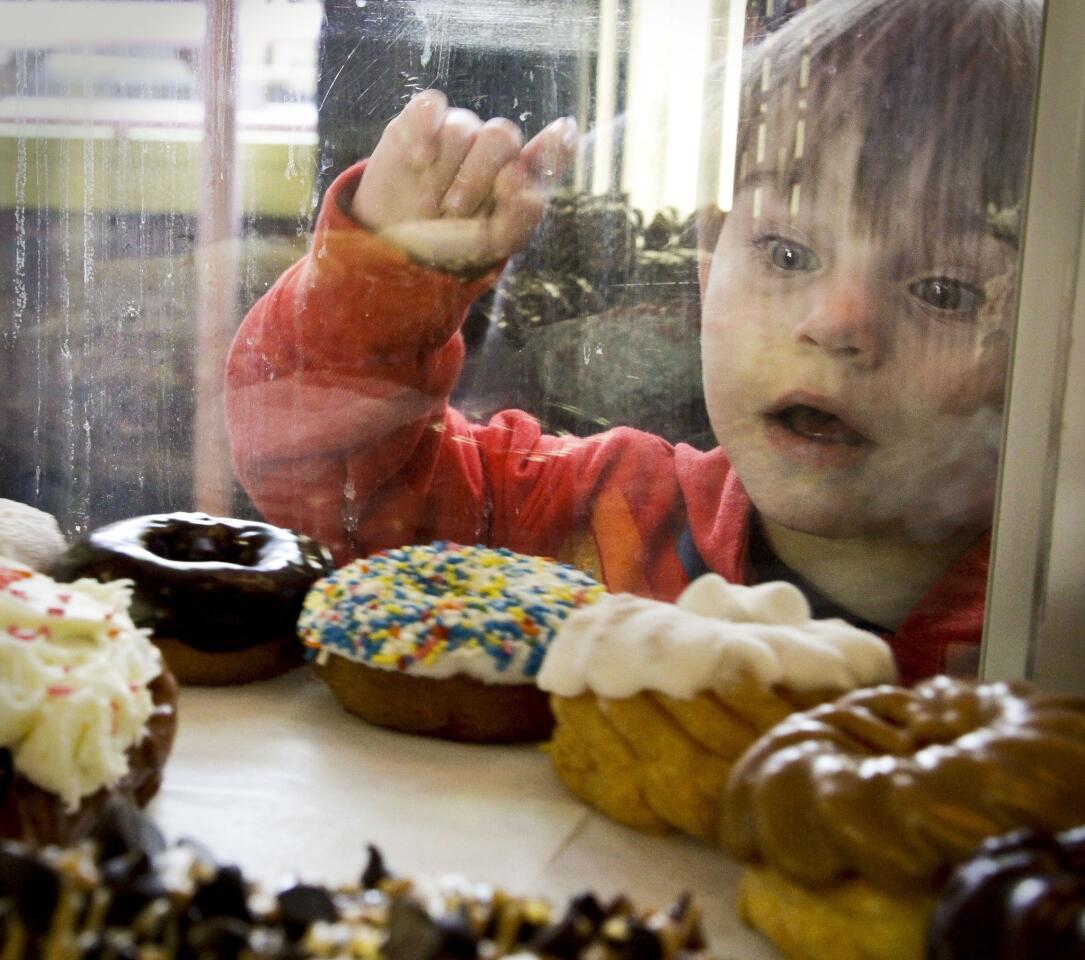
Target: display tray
<point>278,779</point>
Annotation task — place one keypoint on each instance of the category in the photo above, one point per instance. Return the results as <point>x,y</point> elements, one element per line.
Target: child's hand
<point>454,192</point>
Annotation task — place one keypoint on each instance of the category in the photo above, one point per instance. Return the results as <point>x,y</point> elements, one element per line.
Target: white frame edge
<point>1035,612</point>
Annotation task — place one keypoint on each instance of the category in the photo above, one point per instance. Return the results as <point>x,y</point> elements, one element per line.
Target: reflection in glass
<point>835,224</point>
<point>101,148</point>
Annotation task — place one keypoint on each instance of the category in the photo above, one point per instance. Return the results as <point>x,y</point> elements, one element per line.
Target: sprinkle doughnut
<point>443,639</point>
<point>221,596</point>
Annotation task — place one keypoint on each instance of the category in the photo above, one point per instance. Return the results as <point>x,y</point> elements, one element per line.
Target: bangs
<point>940,93</point>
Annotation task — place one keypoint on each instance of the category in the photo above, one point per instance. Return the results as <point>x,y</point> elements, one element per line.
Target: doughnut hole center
<point>210,544</point>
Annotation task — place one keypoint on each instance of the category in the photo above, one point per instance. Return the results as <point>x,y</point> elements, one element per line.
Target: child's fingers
<point>413,133</point>
<point>491,192</point>
<point>454,142</point>
<point>518,206</point>
<point>456,243</point>
<point>392,189</point>
<point>548,154</point>
<point>497,143</point>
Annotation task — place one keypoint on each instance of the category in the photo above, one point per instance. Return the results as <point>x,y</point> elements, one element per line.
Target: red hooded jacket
<point>337,402</point>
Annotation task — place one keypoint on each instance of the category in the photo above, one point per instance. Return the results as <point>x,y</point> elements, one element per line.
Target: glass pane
<point>1035,611</point>
<point>555,337</point>
<point>831,214</point>
<point>656,289</point>
<point>856,310</point>
<point>166,162</point>
<point>101,144</point>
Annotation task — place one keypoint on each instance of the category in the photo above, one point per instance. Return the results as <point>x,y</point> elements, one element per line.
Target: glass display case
<point>165,164</point>
<point>775,307</point>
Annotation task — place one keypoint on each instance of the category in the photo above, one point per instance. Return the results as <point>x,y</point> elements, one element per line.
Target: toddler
<point>857,309</point>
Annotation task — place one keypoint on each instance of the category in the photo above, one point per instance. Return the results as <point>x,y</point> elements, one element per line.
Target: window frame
<point>1035,614</point>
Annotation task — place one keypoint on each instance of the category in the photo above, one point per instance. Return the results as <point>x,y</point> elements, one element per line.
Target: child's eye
<point>787,255</point>
<point>944,293</point>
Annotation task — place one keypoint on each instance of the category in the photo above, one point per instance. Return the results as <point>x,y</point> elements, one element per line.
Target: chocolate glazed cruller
<point>216,584</point>
<point>897,785</point>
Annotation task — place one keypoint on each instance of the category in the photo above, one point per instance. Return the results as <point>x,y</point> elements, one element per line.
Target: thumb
<point>451,244</point>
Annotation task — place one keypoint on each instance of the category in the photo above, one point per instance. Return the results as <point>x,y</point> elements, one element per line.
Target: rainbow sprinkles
<point>440,609</point>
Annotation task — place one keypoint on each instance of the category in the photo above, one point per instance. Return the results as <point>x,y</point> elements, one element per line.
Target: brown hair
<point>939,91</point>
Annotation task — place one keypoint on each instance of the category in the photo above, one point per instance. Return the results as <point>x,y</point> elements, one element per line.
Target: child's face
<point>855,380</point>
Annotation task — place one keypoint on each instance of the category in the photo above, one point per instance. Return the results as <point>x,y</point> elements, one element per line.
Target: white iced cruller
<point>717,635</point>
<point>775,602</point>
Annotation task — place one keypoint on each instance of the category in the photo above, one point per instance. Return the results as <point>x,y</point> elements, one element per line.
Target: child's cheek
<point>714,368</point>
<point>720,318</point>
<point>734,348</point>
<point>953,371</point>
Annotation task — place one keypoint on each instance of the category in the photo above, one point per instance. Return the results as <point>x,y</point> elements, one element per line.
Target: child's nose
<point>846,322</point>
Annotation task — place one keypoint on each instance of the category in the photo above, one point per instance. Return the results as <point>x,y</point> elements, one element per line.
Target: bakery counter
<point>277,778</point>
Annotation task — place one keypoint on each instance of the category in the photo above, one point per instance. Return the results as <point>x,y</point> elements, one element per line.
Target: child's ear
<point>709,223</point>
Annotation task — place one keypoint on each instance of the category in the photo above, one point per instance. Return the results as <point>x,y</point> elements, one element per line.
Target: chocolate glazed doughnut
<point>221,596</point>
<point>1018,897</point>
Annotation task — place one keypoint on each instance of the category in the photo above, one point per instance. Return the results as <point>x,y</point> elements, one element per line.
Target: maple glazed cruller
<point>221,595</point>
<point>862,807</point>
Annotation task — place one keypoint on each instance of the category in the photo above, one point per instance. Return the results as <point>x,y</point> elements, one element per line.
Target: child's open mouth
<point>818,425</point>
<point>815,436</point>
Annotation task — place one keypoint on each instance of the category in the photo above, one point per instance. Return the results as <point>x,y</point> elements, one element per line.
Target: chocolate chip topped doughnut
<point>221,595</point>
<point>128,895</point>
<point>895,786</point>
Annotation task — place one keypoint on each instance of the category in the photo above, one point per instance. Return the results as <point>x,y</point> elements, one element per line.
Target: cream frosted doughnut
<point>445,624</point>
<point>656,701</point>
<point>86,705</point>
<point>715,637</point>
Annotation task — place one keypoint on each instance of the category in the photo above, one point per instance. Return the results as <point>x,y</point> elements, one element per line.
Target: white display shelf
<point>276,778</point>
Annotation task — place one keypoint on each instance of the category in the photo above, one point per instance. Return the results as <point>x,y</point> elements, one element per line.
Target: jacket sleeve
<point>337,392</point>
<point>352,352</point>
